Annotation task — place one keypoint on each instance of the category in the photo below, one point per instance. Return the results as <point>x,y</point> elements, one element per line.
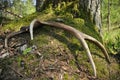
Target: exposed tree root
<point>79,35</point>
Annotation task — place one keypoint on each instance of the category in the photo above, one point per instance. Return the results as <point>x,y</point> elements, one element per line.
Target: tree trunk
<point>109,15</point>
<point>39,5</point>
<point>42,4</point>
<point>92,8</point>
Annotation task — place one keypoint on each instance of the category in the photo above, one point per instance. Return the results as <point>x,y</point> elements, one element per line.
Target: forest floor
<point>34,65</point>
<point>49,62</point>
<point>54,54</point>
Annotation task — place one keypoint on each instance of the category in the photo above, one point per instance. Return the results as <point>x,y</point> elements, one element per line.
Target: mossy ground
<point>60,48</point>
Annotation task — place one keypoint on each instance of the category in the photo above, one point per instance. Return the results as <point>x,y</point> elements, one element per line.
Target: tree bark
<point>42,4</point>
<point>92,8</point>
<point>109,15</point>
<point>39,5</point>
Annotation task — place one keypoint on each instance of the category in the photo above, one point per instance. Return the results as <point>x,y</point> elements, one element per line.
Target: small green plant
<point>114,46</point>
<point>117,45</point>
<point>27,50</point>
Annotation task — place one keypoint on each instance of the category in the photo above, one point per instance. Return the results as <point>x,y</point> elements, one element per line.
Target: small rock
<point>34,47</point>
<point>13,39</point>
<point>22,48</point>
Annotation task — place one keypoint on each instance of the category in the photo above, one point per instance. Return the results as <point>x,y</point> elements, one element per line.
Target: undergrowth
<point>111,38</point>
<point>49,39</point>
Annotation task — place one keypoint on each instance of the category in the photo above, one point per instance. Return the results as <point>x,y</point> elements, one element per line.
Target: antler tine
<point>79,35</point>
<point>84,44</point>
<point>97,43</point>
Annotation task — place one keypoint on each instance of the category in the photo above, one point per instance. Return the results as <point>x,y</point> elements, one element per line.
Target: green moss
<point>48,39</point>
<point>75,77</point>
<point>41,40</point>
<point>66,76</point>
<point>71,77</point>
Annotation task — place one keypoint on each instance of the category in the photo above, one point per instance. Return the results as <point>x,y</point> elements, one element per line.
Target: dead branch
<point>79,35</point>
<point>23,29</point>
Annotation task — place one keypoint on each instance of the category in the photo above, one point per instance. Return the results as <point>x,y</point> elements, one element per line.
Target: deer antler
<point>79,35</point>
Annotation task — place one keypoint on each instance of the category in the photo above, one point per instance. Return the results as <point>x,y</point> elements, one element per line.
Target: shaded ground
<point>51,60</point>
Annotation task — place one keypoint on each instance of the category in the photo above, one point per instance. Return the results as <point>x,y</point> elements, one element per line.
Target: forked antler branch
<point>79,35</point>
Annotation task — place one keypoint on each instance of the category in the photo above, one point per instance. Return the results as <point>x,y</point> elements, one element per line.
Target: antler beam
<point>79,35</point>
